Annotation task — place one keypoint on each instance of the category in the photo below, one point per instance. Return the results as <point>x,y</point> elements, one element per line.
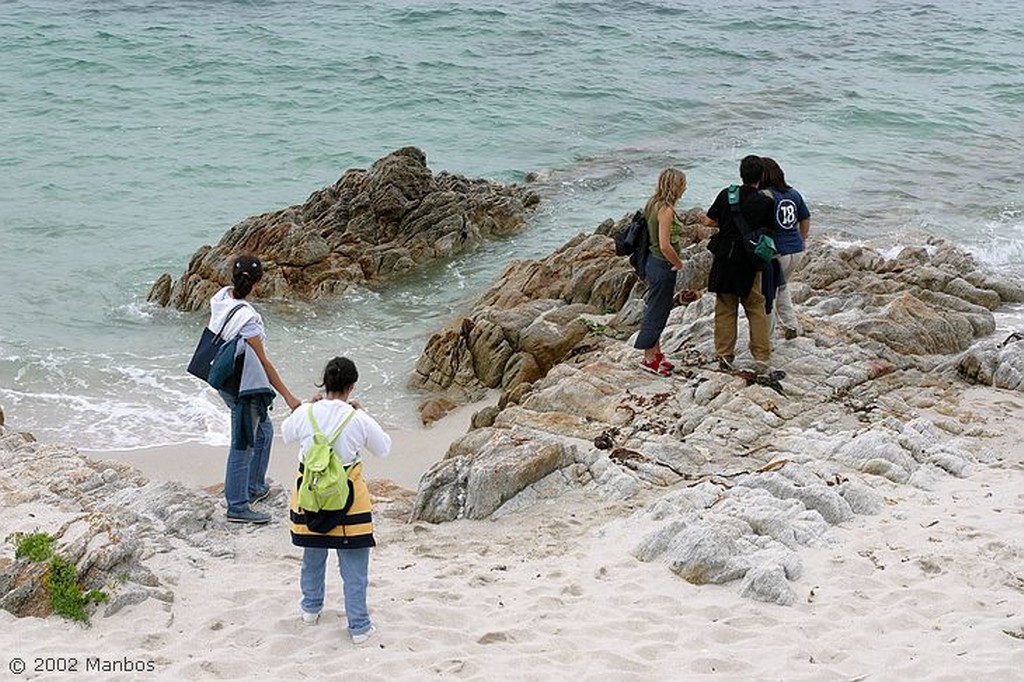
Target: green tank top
<point>675,235</point>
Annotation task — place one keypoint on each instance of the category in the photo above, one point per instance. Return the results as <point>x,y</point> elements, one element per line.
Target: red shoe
<point>654,368</point>
<point>665,364</point>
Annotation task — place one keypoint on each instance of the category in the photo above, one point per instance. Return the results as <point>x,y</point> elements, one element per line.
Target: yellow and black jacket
<point>348,528</point>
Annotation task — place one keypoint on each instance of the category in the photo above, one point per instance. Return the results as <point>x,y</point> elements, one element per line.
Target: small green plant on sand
<point>60,579</point>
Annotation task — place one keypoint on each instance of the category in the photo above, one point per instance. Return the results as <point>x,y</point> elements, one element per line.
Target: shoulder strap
<point>734,196</point>
<point>341,427</point>
<point>337,431</point>
<point>224,324</point>
<point>312,420</point>
<point>737,215</point>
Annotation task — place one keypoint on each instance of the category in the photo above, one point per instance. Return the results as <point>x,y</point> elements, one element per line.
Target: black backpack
<point>635,241</point>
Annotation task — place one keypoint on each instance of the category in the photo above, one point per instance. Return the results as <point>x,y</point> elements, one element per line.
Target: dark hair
<point>246,271</point>
<point>773,175</point>
<point>751,170</point>
<point>339,375</point>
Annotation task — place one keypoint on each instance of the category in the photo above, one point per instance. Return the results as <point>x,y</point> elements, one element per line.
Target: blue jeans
<point>354,565</point>
<point>245,476</point>
<point>661,287</point>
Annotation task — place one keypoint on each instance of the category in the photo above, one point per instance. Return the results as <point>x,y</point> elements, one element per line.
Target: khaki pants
<point>726,316</point>
<point>784,310</point>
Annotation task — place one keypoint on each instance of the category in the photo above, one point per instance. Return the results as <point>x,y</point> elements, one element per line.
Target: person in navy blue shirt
<point>792,224</point>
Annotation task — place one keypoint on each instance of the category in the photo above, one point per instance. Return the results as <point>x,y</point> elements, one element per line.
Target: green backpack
<point>324,484</point>
<point>760,246</point>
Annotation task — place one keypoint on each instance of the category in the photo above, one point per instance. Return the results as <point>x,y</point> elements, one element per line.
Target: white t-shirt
<point>361,433</point>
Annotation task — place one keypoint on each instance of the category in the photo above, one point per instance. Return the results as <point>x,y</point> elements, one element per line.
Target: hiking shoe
<point>761,367</point>
<point>663,363</point>
<point>363,636</point>
<point>260,496</point>
<point>248,516</point>
<point>655,367</point>
<point>310,618</point>
<point>789,334</point>
<point>725,363</point>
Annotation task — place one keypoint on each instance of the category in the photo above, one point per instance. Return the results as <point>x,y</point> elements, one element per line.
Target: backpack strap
<point>337,431</point>
<point>737,216</point>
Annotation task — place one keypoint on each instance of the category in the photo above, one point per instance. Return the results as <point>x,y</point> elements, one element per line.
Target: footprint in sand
<point>574,590</point>
<point>493,637</point>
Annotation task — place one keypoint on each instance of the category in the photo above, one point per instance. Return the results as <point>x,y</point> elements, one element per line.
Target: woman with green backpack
<point>332,425</point>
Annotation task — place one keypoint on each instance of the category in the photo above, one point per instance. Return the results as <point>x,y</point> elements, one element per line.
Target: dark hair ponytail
<point>245,273</point>
<point>339,375</point>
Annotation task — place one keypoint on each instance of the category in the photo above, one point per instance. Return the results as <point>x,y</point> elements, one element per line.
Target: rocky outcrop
<point>736,471</point>
<point>998,363</point>
<point>368,227</point>
<point>927,301</point>
<point>535,313</point>
<point>107,519</point>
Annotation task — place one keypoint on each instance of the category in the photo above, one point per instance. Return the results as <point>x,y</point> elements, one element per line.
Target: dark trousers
<point>661,287</point>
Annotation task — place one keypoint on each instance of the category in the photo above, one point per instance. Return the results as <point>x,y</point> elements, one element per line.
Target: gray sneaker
<point>248,516</point>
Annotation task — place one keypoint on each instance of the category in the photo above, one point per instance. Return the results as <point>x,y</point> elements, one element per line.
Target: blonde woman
<point>668,236</point>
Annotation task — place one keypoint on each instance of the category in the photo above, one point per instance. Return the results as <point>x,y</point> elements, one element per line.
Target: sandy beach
<point>414,450</point>
<point>932,588</point>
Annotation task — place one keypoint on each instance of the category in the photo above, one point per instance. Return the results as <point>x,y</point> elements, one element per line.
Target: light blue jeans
<point>245,476</point>
<point>354,565</point>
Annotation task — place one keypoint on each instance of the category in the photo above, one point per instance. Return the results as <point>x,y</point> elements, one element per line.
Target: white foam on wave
<point>1009,319</point>
<point>111,401</point>
<point>1001,242</point>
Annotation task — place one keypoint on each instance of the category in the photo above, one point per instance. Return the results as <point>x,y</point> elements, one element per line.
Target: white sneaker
<point>310,618</point>
<point>361,638</point>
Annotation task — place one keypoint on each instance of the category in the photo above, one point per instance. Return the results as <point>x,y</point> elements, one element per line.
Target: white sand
<point>203,465</point>
<point>925,591</point>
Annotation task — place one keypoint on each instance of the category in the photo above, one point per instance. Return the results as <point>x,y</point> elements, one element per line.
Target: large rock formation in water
<point>369,226</point>
<point>732,472</point>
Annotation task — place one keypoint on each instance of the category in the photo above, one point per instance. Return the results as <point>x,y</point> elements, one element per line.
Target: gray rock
<point>819,497</point>
<point>768,584</point>
<point>862,499</point>
<point>705,554</point>
<point>484,469</point>
<point>995,362</point>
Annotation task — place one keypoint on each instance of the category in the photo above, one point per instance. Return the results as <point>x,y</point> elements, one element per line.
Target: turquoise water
<point>134,132</point>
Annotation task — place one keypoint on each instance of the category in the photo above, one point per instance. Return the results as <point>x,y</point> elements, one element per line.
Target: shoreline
<point>202,465</point>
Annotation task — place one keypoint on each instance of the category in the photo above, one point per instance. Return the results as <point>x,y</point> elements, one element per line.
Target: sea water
<point>132,132</point>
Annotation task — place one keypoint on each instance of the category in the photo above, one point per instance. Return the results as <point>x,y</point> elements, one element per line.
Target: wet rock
<point>434,409</point>
<point>370,226</point>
